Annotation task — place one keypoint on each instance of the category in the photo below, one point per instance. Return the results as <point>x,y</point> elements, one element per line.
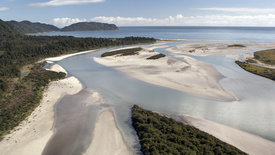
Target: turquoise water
<point>254,112</point>
<point>197,33</point>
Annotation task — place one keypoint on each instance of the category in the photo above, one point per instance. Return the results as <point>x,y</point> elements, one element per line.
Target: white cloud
<point>179,20</point>
<point>204,20</point>
<point>4,8</point>
<point>63,2</point>
<point>241,10</point>
<point>61,22</point>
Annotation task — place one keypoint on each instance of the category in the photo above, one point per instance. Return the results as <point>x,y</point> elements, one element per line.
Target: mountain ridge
<point>27,27</point>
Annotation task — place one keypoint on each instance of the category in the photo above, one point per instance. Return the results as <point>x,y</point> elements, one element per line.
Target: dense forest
<point>23,96</point>
<point>20,95</point>
<point>159,134</point>
<point>122,52</point>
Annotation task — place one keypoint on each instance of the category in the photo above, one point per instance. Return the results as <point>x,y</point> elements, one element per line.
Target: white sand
<point>205,49</point>
<point>247,56</point>
<point>32,135</point>
<point>65,56</point>
<point>246,142</point>
<point>57,68</point>
<point>107,138</point>
<point>233,56</point>
<point>194,77</point>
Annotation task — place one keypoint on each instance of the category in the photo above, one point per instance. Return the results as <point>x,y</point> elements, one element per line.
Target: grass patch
<point>262,71</point>
<point>26,69</point>
<point>157,56</point>
<point>162,135</point>
<point>236,45</point>
<point>123,52</point>
<point>266,56</point>
<point>1,53</point>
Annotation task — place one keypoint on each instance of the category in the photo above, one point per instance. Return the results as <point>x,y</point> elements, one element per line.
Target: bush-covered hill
<point>26,27</point>
<point>89,26</point>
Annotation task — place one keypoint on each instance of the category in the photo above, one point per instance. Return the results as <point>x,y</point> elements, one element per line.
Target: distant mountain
<point>89,26</point>
<point>6,30</point>
<point>25,27</point>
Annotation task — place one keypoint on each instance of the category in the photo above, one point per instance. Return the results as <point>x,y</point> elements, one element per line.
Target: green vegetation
<point>89,26</point>
<point>23,96</point>
<point>157,56</point>
<point>266,56</point>
<point>262,71</point>
<point>6,31</point>
<point>20,95</point>
<point>123,52</point>
<point>162,135</point>
<point>251,61</point>
<point>236,45</point>
<point>26,27</point>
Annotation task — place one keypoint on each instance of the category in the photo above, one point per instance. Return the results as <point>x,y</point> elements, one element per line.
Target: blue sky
<point>143,12</point>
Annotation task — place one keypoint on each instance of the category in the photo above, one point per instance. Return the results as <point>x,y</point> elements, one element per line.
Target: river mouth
<point>251,113</point>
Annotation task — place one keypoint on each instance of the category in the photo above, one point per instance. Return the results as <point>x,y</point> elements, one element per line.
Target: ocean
<point>192,33</point>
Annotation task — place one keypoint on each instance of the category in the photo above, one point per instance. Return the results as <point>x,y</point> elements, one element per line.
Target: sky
<point>142,12</point>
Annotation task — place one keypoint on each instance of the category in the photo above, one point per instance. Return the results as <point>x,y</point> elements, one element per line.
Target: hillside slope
<point>26,27</point>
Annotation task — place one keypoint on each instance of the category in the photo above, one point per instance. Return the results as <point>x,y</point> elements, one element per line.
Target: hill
<point>26,27</point>
<point>89,26</point>
<point>6,30</point>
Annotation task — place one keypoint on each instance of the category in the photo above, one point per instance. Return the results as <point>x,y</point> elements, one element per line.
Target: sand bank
<point>57,68</point>
<point>65,56</point>
<point>32,135</point>
<point>107,138</point>
<point>205,49</point>
<point>246,142</point>
<point>191,76</point>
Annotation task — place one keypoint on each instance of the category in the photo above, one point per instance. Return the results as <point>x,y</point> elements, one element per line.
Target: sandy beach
<point>32,135</point>
<point>107,138</point>
<point>191,75</point>
<point>251,144</point>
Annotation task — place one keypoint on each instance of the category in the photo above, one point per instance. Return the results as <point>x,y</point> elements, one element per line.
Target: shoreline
<point>32,135</point>
<point>249,143</point>
<point>61,57</point>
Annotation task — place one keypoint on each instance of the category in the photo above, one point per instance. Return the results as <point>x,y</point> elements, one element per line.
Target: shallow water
<point>254,112</point>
